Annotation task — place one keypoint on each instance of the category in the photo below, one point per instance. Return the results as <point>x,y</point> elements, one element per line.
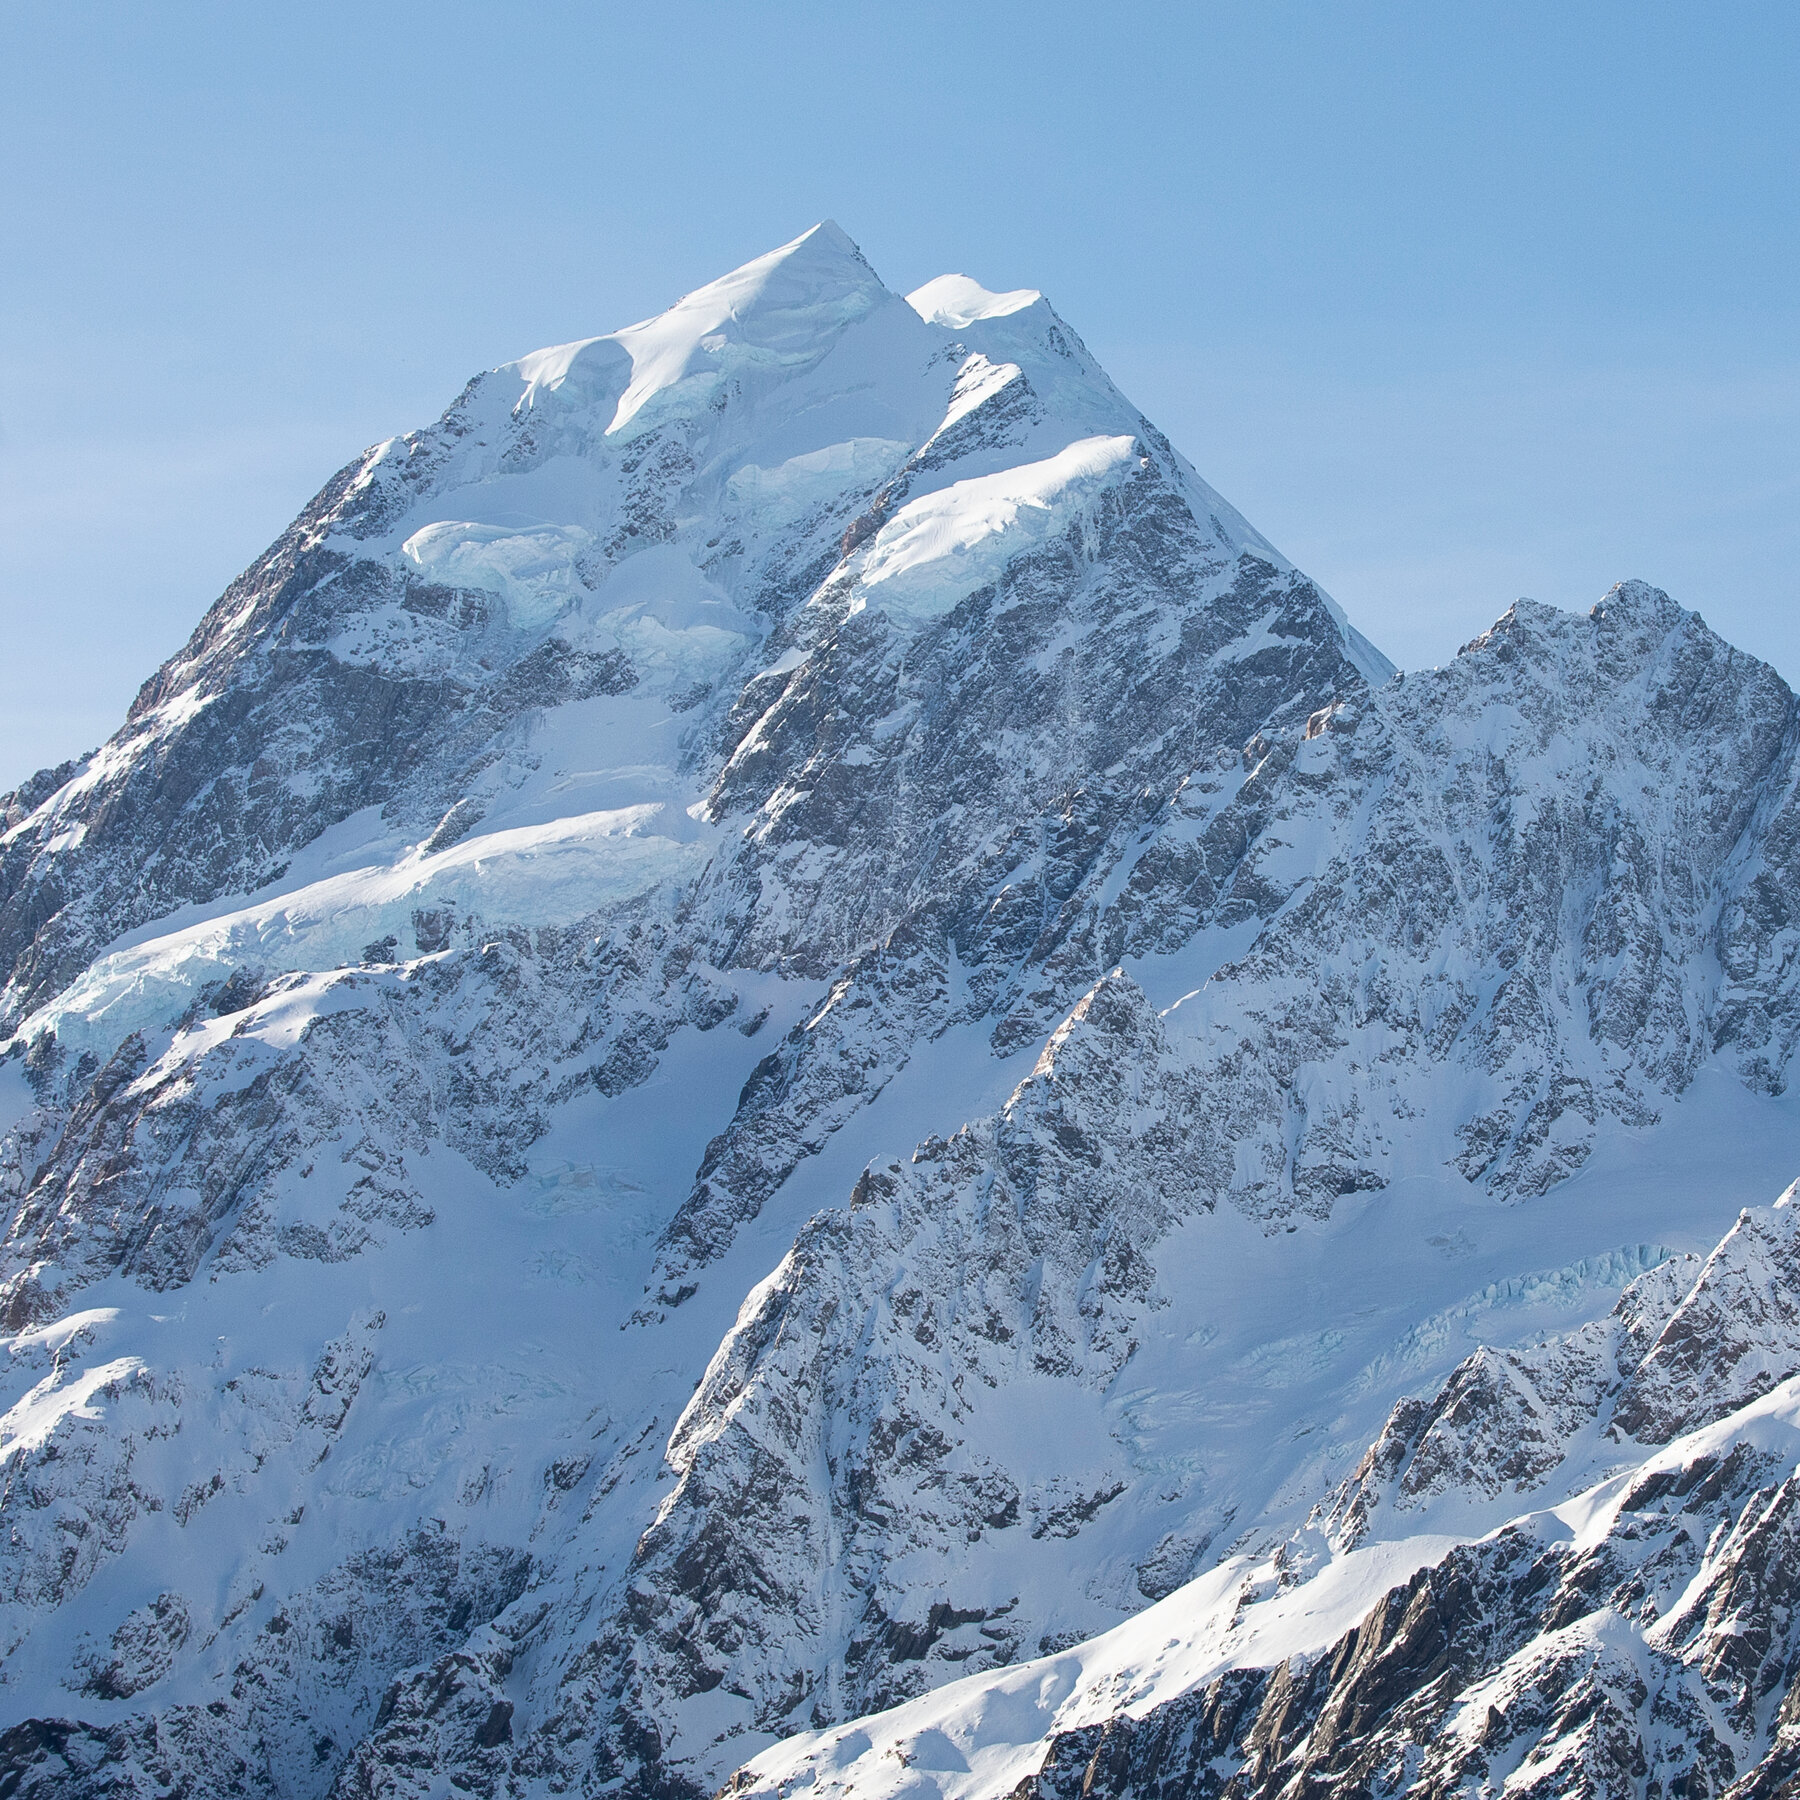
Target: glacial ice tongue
<point>546,875</point>
<point>532,568</point>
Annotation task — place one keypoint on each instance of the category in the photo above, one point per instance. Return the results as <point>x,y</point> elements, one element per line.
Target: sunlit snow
<point>956,301</point>
<point>532,568</point>
<point>936,551</point>
<point>549,874</point>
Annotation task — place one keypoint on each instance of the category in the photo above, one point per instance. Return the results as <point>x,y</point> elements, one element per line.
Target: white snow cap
<point>956,301</point>
<point>783,305</point>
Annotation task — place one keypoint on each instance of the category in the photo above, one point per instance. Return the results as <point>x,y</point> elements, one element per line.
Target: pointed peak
<point>820,264</point>
<point>827,237</point>
<point>1637,601</point>
<point>789,302</point>
<point>956,301</point>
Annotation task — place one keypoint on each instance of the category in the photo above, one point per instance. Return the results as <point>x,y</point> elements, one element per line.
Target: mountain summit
<point>773,317</point>
<point>775,1018</point>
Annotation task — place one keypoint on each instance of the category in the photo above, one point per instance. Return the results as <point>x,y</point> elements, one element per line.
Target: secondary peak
<point>956,301</point>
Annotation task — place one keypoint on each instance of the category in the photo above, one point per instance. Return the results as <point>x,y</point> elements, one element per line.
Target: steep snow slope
<point>774,1017</point>
<point>1638,1629</point>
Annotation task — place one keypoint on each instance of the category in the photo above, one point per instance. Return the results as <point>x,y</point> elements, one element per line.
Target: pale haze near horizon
<point>1454,304</point>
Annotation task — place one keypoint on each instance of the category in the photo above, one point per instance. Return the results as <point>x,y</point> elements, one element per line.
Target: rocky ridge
<point>1636,1638</point>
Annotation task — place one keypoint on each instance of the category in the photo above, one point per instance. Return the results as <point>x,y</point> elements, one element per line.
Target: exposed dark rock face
<point>382,1609</point>
<point>823,1434</point>
<point>1556,1670</point>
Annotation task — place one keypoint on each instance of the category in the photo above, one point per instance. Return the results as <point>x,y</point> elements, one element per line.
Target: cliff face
<point>813,783</point>
<point>1632,1632</point>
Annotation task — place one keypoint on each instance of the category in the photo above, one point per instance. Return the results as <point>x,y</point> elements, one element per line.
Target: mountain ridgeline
<point>773,1066</point>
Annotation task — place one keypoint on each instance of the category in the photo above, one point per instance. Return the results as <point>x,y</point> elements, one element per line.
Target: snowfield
<point>937,550</point>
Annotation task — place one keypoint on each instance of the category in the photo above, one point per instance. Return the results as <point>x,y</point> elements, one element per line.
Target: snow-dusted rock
<point>1637,1638</point>
<point>1686,1344</point>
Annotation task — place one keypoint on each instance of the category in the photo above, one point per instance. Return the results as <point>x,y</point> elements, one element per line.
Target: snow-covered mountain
<point>774,1021</point>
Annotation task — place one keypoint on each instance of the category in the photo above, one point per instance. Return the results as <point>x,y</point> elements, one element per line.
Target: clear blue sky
<point>1456,301</point>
